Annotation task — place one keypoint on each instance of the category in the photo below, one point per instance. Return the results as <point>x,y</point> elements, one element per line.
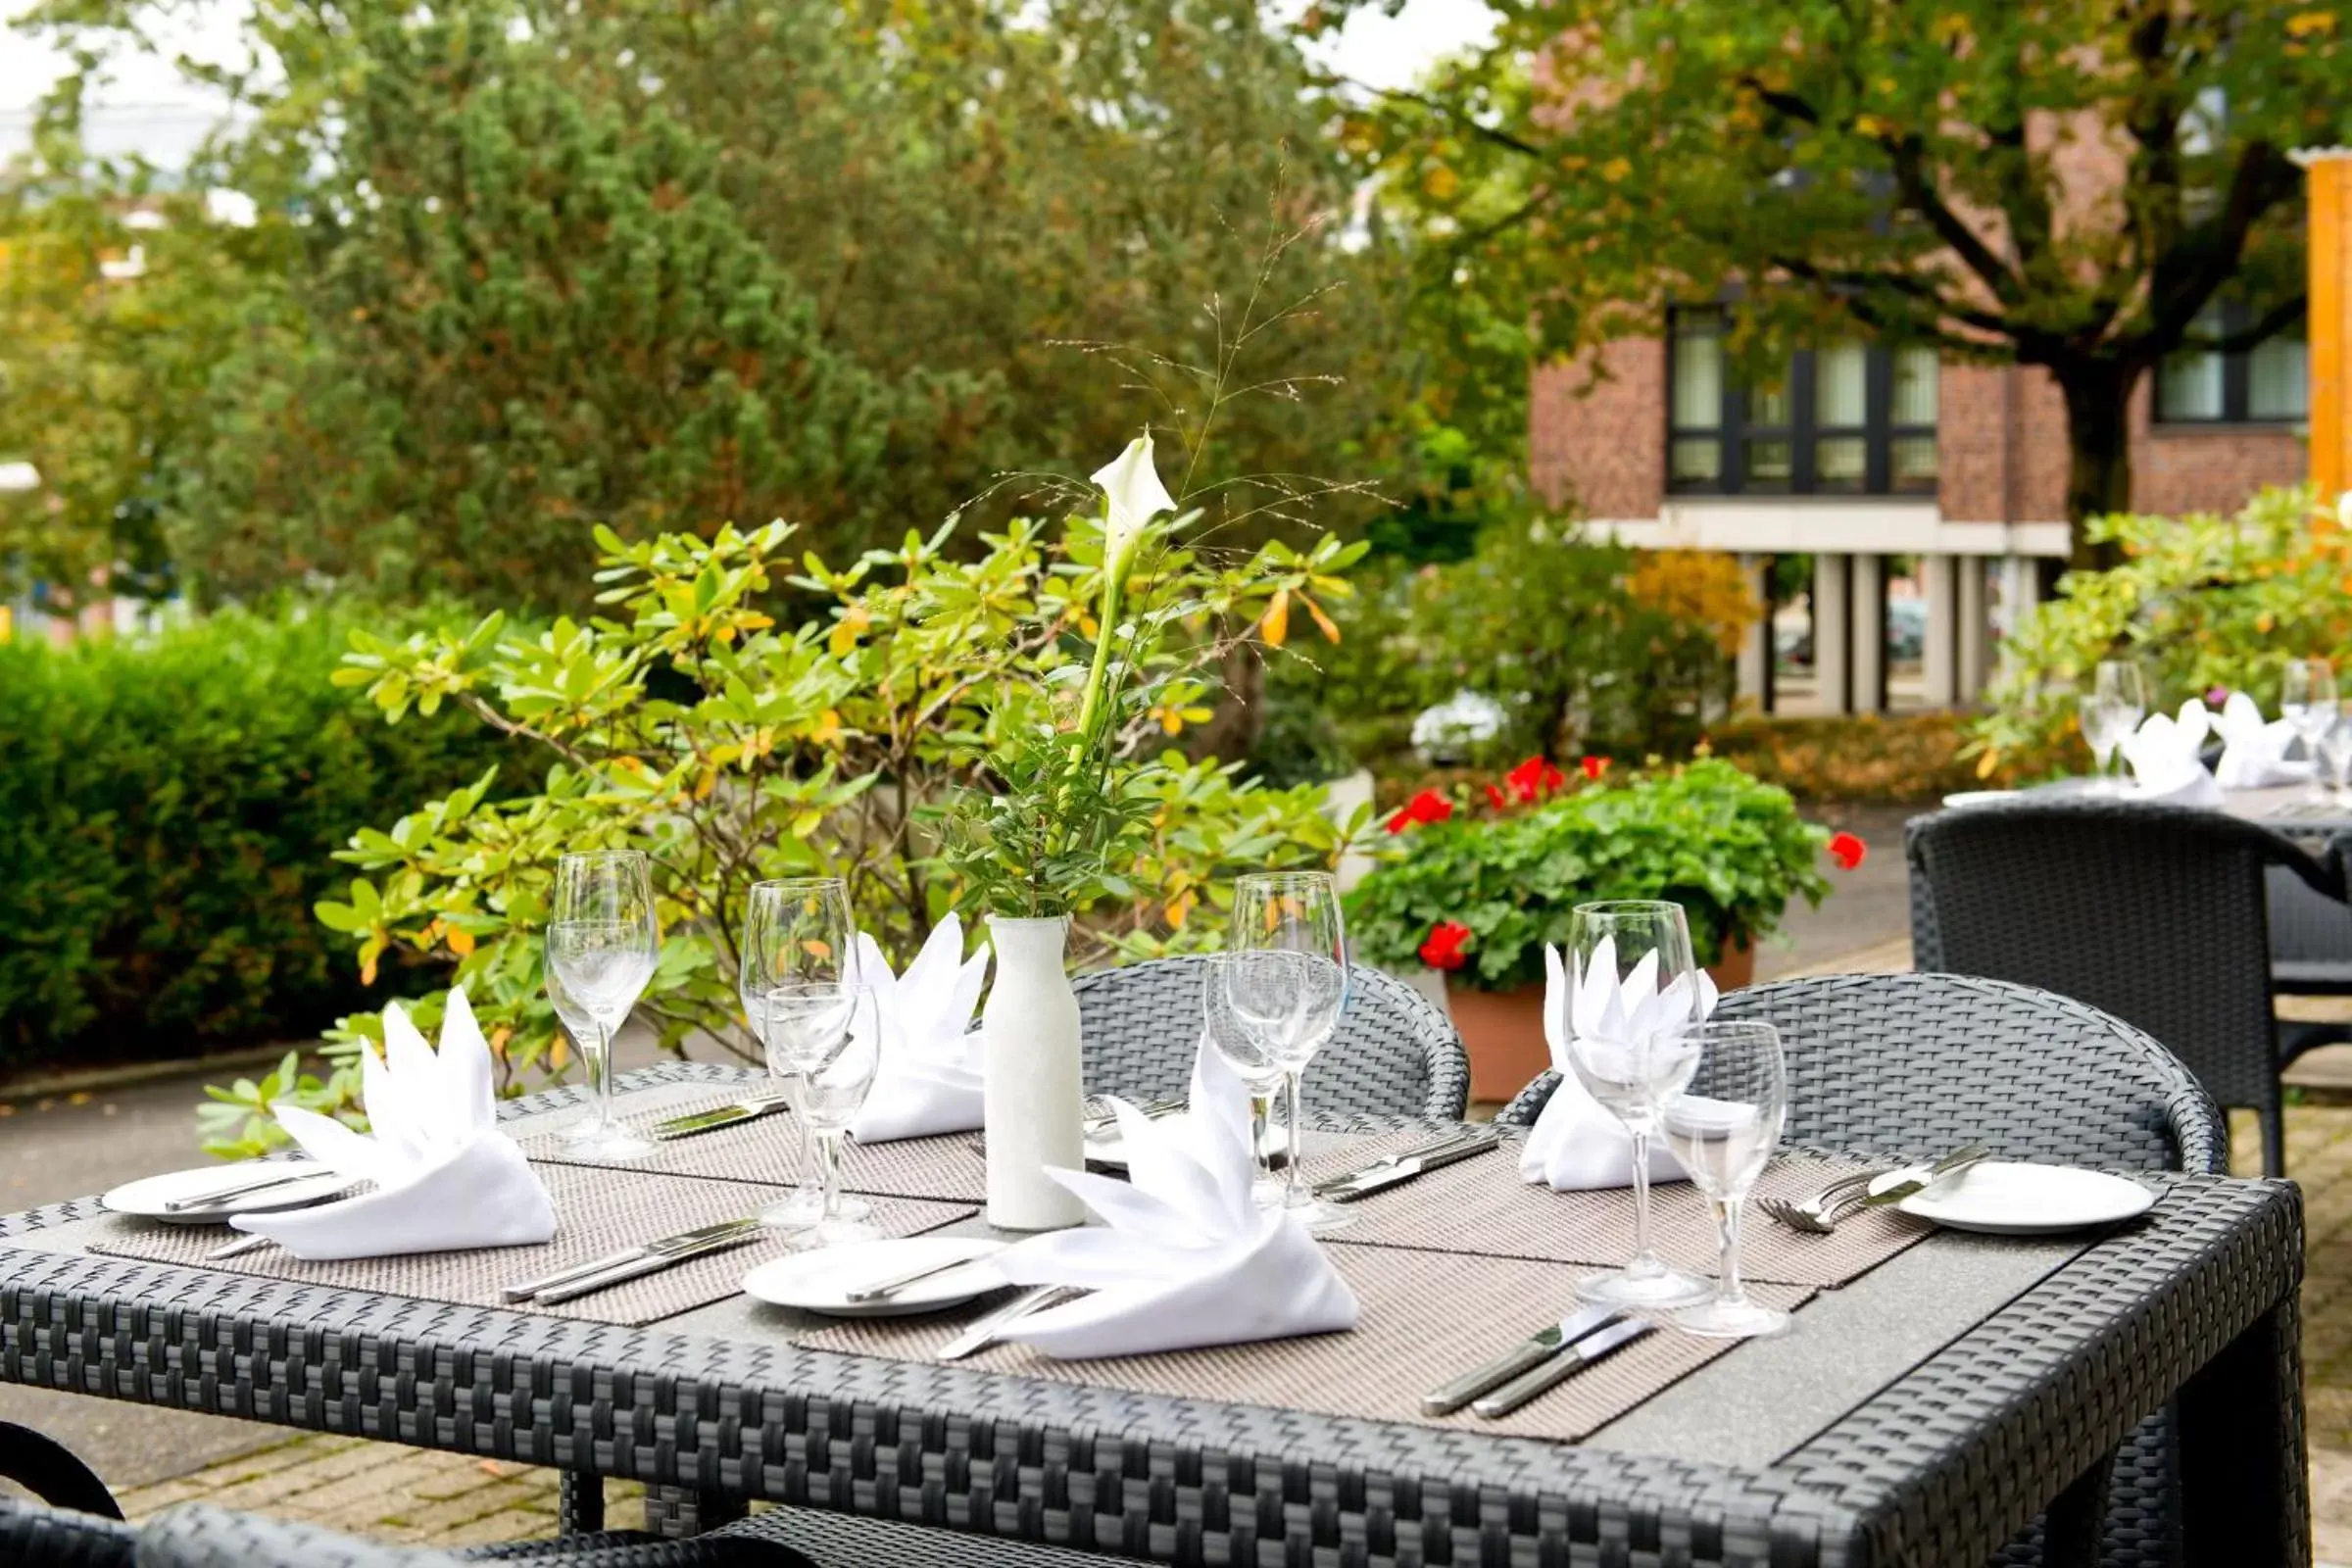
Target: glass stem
<point>1293,1193</point>
<point>1730,1290</point>
<point>1261,1116</point>
<point>1644,1262</point>
<point>829,1142</point>
<point>797,1086</point>
<point>600,1073</point>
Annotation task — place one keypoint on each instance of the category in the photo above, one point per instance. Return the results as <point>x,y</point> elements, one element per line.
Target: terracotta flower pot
<point>1503,1030</point>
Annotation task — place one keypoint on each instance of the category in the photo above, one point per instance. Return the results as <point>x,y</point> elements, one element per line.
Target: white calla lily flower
<point>1131,484</point>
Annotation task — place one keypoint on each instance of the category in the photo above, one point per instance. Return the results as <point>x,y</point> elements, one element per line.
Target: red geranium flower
<point>1594,767</point>
<point>1443,949</point>
<point>1495,795</point>
<point>1426,807</point>
<point>1848,851</point>
<point>1534,778</point>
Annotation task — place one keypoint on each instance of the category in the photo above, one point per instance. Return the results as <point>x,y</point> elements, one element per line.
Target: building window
<point>1851,419</point>
<point>2266,384</point>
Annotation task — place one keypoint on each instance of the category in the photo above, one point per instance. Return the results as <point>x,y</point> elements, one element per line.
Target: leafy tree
<point>539,264</point>
<point>2065,186</point>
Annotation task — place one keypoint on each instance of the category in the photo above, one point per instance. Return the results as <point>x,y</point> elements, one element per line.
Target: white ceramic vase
<point>1034,1103</point>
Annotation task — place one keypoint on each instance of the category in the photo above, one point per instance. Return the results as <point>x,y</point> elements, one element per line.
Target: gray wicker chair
<point>2158,914</point>
<point>1395,1054</point>
<point>71,1520</point>
<point>1911,1063</point>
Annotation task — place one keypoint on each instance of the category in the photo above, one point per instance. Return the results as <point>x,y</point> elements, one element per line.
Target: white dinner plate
<point>147,1195</point>
<point>820,1280</point>
<point>2005,1198</point>
<point>1960,797</point>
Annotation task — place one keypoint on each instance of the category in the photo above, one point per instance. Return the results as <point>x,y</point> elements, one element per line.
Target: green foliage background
<point>167,814</point>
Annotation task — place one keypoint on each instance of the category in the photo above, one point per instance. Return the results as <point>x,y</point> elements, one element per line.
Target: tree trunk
<point>2098,438</point>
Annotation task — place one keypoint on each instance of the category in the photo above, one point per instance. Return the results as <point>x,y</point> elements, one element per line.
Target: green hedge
<point>167,808</point>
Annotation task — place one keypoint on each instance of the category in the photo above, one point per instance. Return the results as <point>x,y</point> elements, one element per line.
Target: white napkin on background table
<point>2253,753</point>
<point>1184,1257</point>
<point>930,1074</point>
<point>1576,1144</point>
<point>2163,761</point>
<point>446,1178</point>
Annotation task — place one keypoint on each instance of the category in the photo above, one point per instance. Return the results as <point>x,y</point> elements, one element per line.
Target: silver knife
<point>638,1268</point>
<point>280,1176</point>
<point>1918,1179</point>
<point>1389,1162</point>
<point>749,1108</point>
<point>1405,1170</point>
<point>661,1245</point>
<point>979,1336</point>
<point>1520,1359</point>
<point>1558,1369</point>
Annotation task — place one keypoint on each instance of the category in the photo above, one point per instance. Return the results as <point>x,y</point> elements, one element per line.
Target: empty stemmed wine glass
<point>1286,980</point>
<point>2307,700</point>
<point>1723,1128</point>
<point>798,946</point>
<point>602,942</point>
<point>2335,756</point>
<point>1631,1057</point>
<point>824,1033</point>
<point>1260,1072</point>
<point>2112,714</point>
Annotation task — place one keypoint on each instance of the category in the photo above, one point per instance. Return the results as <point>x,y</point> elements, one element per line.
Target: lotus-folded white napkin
<point>1576,1144</point>
<point>930,1077</point>
<point>1183,1257</point>
<point>2253,753</point>
<point>445,1178</point>
<point>2163,761</point>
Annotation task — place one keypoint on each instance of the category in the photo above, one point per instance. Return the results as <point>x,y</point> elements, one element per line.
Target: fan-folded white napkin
<point>930,1076</point>
<point>2163,756</point>
<point>446,1178</point>
<point>1183,1257</point>
<point>1576,1144</point>
<point>2253,753</point>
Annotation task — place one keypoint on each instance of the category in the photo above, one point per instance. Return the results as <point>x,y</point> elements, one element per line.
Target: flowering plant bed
<point>1476,883</point>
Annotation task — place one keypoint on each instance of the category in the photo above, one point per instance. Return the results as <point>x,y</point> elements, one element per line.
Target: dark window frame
<point>2237,374</point>
<point>1737,432</point>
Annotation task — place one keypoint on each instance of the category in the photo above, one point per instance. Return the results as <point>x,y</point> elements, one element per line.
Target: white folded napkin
<point>2253,753</point>
<point>930,1077</point>
<point>1183,1257</point>
<point>446,1178</point>
<point>1576,1144</point>
<point>2163,761</point>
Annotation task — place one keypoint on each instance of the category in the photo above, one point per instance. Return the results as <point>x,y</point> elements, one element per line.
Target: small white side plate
<point>2004,1198</point>
<point>146,1196</point>
<point>820,1280</point>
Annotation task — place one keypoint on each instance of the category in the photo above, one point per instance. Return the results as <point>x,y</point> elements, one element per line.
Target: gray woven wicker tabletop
<point>1923,1413</point>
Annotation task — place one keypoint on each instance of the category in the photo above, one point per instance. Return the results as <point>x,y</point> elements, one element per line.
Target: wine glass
<point>1230,1038</point>
<point>2336,756</point>
<point>796,932</point>
<point>1723,1127</point>
<point>826,1035</point>
<point>1287,982</point>
<point>602,942</point>
<point>2119,700</point>
<point>1642,949</point>
<point>2307,701</point>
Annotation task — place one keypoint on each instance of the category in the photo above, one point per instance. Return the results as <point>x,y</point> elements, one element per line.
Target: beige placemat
<point>596,1212</point>
<point>1481,1205</point>
<point>767,1150</point>
<point>1426,1317</point>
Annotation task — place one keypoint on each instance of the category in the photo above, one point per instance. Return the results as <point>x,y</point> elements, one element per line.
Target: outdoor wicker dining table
<point>1923,1414</point>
